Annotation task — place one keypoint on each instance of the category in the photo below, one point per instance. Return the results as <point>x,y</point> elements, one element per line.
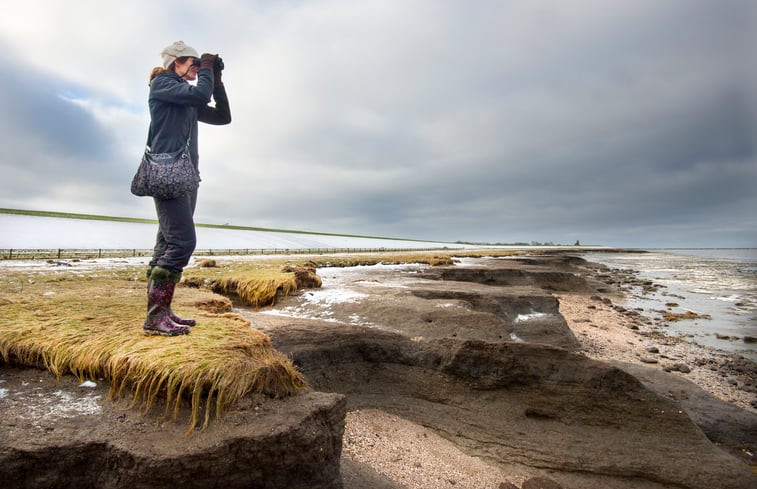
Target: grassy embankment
<point>95,217</point>
<point>88,324</point>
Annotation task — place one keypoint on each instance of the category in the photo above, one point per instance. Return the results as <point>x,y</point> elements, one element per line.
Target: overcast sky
<point>623,123</point>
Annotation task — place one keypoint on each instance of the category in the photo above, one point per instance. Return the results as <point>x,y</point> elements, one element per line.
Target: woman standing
<point>175,108</point>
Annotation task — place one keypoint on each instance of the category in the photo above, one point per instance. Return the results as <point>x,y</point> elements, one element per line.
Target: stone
<point>678,367</point>
<point>750,339</point>
<point>649,359</point>
<point>653,349</point>
<point>682,367</point>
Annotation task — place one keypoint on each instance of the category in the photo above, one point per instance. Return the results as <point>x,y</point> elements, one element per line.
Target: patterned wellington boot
<point>183,322</point>
<point>158,321</point>
<point>174,317</point>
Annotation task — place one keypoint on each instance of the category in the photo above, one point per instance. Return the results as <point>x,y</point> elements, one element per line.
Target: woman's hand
<point>207,61</point>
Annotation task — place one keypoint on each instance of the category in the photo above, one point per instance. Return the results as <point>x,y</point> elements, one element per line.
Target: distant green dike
<point>93,217</point>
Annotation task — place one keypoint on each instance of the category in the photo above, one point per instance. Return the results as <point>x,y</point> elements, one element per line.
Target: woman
<point>175,108</point>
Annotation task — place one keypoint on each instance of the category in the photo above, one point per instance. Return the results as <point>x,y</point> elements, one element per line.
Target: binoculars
<point>217,65</point>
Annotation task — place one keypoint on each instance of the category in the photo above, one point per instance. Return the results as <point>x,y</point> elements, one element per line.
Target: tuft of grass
<point>255,284</point>
<point>90,326</point>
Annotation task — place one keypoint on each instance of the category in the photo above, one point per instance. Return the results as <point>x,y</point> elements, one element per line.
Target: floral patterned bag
<point>165,175</point>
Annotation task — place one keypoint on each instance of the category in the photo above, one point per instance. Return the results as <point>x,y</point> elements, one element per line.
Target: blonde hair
<point>157,71</point>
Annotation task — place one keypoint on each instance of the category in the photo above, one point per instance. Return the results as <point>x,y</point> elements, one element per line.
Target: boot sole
<point>152,332</point>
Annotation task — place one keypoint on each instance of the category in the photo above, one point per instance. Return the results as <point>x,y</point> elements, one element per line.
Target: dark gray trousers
<point>176,238</point>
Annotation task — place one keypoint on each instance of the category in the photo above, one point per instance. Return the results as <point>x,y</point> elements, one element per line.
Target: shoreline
<point>609,331</point>
<point>395,433</point>
<point>606,332</point>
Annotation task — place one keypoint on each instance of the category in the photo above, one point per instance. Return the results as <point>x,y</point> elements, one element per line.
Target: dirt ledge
<point>54,433</point>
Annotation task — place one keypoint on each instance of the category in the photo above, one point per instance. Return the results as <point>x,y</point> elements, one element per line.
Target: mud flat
<point>482,355</point>
<point>494,373</point>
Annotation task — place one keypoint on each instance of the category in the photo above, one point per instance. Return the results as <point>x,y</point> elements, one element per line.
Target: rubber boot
<point>159,297</point>
<point>174,317</point>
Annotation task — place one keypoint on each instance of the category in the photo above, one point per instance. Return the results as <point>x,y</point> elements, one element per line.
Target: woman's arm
<point>174,90</point>
<point>218,115</point>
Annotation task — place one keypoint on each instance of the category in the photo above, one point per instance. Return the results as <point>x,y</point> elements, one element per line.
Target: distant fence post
<point>58,253</point>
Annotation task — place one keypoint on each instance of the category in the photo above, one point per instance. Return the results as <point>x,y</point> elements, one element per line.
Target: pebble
<point>678,367</point>
<point>649,360</point>
<point>653,349</point>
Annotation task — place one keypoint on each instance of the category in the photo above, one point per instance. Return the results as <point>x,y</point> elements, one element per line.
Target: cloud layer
<point>628,124</point>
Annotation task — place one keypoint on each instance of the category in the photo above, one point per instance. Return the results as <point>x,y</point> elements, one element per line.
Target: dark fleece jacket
<point>176,106</point>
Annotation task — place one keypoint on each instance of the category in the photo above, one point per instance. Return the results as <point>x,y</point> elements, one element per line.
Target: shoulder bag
<point>165,175</point>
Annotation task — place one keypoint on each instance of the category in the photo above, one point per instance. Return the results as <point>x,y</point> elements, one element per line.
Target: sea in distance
<point>718,283</point>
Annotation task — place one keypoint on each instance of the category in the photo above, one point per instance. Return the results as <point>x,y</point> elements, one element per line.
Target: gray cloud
<point>36,109</point>
<point>630,124</point>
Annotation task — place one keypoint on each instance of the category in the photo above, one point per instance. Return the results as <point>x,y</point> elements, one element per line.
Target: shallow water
<point>721,283</point>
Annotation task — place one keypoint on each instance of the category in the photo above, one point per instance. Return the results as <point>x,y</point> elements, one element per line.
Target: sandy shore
<point>606,334</point>
<point>415,457</point>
